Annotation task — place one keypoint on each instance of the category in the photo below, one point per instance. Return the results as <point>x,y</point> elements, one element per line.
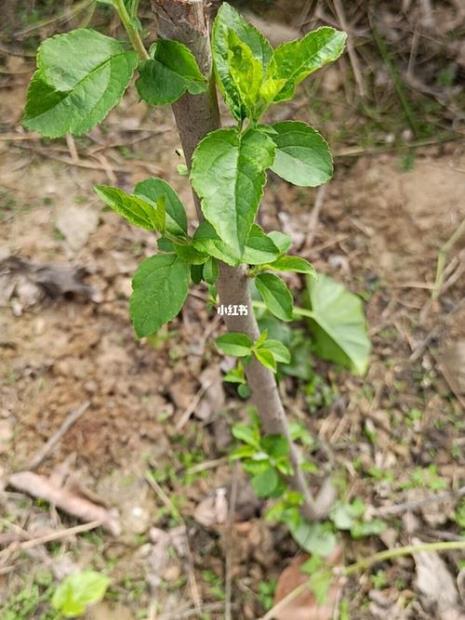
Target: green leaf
<point>367,528</point>
<point>265,484</point>
<point>133,209</point>
<point>165,245</point>
<point>211,271</point>
<point>206,240</point>
<point>259,248</point>
<point>235,343</point>
<point>292,62</point>
<point>244,390</point>
<point>246,74</point>
<point>228,173</point>
<point>247,434</point>
<point>241,55</point>
<point>261,339</point>
<point>300,433</point>
<point>277,446</point>
<point>81,76</point>
<point>302,155</point>
<point>279,351</point>
<point>338,324</point>
<point>235,375</point>
<point>79,590</point>
<point>282,241</point>
<point>189,254</point>
<point>153,190</point>
<point>171,72</point>
<point>292,263</point>
<point>196,273</point>
<point>276,295</point>
<point>343,516</point>
<point>313,537</point>
<point>266,358</point>
<point>160,288</point>
<point>243,452</point>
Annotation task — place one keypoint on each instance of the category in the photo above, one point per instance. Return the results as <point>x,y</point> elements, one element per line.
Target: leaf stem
<point>131,30</point>
<point>398,552</point>
<point>296,310</point>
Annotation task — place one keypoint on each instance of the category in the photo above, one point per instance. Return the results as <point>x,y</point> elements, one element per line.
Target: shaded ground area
<point>159,407</point>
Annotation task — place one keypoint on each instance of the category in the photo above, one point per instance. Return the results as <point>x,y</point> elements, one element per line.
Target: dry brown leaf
<point>213,510</point>
<point>437,585</point>
<point>453,360</point>
<point>213,400</point>
<point>305,606</point>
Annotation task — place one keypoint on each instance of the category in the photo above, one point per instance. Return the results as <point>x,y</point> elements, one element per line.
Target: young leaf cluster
<point>79,590</point>
<point>266,350</point>
<point>83,74</point>
<point>229,166</point>
<point>266,459</point>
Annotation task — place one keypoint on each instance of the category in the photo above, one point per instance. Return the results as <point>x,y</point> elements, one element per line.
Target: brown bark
<point>188,21</point>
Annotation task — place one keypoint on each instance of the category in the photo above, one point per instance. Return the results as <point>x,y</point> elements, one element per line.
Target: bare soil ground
<point>159,406</point>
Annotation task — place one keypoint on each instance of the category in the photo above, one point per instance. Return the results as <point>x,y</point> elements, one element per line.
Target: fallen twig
<point>64,16</point>
<point>61,497</point>
<point>396,509</point>
<point>314,216</point>
<point>193,585</point>
<point>71,419</point>
<point>53,536</point>
<point>442,258</point>
<point>350,47</point>
<point>89,165</point>
<point>189,613</point>
<point>195,402</point>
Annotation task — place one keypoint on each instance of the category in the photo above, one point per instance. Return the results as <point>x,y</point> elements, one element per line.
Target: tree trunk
<point>188,21</point>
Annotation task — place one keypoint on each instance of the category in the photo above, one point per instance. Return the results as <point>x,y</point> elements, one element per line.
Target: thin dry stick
<point>71,144</point>
<point>29,544</point>
<point>195,469</point>
<point>89,165</point>
<point>442,258</point>
<point>64,16</point>
<point>304,14</point>
<point>350,47</point>
<point>65,499</point>
<point>455,275</point>
<point>71,419</point>
<point>284,602</point>
<point>315,215</point>
<point>184,419</point>
<point>396,509</point>
<point>194,588</point>
<point>189,613</point>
